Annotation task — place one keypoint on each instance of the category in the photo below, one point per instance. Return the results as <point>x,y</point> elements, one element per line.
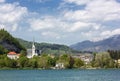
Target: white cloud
<point>44,23</point>
<point>96,26</point>
<point>15,26</point>
<point>11,14</point>
<point>87,22</point>
<point>1,1</point>
<point>51,35</point>
<point>84,23</point>
<point>40,1</point>
<point>108,33</point>
<point>78,26</point>
<point>96,10</point>
<point>49,23</point>
<point>78,2</point>
<point>61,25</point>
<point>1,26</point>
<point>100,35</point>
<point>104,10</point>
<point>57,24</point>
<point>96,17</point>
<point>92,35</point>
<point>77,15</point>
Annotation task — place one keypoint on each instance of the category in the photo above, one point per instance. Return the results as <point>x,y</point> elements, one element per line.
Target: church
<point>33,51</point>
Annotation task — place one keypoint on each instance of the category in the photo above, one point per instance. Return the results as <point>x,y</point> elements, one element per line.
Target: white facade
<point>33,49</point>
<point>13,56</point>
<point>29,53</point>
<point>32,52</point>
<point>59,66</point>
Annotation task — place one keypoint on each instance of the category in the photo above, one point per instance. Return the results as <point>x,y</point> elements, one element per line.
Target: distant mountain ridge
<point>111,43</point>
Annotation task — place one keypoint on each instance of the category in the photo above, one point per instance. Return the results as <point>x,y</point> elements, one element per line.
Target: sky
<point>60,21</point>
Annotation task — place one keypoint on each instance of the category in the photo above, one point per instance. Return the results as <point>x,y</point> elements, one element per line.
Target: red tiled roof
<point>12,53</point>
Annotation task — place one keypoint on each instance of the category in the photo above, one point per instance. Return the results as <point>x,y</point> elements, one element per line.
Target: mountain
<point>111,43</point>
<point>9,43</point>
<point>48,48</point>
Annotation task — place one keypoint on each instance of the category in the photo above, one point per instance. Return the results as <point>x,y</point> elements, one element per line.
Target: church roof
<point>12,53</point>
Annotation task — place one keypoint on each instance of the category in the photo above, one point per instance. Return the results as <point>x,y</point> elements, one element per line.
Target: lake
<point>60,75</point>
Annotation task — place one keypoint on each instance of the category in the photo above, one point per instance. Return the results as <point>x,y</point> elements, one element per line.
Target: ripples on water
<point>60,75</point>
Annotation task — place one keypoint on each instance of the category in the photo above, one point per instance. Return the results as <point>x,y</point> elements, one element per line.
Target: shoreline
<point>56,69</point>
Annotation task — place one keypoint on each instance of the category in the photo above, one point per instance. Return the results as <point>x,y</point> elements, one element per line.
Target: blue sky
<point>61,21</point>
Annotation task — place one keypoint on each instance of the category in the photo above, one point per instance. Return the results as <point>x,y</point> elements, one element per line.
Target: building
<point>59,66</point>
<point>119,63</point>
<point>33,51</point>
<point>87,58</point>
<point>13,55</point>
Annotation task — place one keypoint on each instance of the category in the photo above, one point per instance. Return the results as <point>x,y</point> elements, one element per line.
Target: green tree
<point>11,63</point>
<point>23,52</point>
<point>33,62</point>
<point>6,38</point>
<point>115,54</point>
<point>7,62</point>
<point>103,60</point>
<point>42,62</point>
<point>78,63</point>
<point>2,63</point>
<point>23,61</point>
<point>67,60</point>
<point>71,62</point>
<point>3,50</point>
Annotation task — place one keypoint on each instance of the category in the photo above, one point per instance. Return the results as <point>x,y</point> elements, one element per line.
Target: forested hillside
<point>9,43</point>
<point>48,48</point>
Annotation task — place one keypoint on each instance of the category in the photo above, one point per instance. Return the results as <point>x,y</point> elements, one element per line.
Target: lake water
<point>60,75</point>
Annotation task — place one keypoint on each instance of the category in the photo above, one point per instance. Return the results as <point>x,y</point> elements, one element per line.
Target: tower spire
<point>33,47</point>
<point>33,40</point>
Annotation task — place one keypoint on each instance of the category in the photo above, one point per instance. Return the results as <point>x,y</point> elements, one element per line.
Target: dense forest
<point>9,43</point>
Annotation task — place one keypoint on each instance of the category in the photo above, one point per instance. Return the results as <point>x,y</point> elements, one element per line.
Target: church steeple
<point>33,44</point>
<point>33,48</point>
<point>33,51</point>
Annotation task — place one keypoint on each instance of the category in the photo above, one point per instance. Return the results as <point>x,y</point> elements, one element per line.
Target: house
<point>13,55</point>
<point>59,66</point>
<point>118,61</point>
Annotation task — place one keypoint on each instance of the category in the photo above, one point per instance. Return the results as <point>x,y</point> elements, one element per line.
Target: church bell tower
<point>33,49</point>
